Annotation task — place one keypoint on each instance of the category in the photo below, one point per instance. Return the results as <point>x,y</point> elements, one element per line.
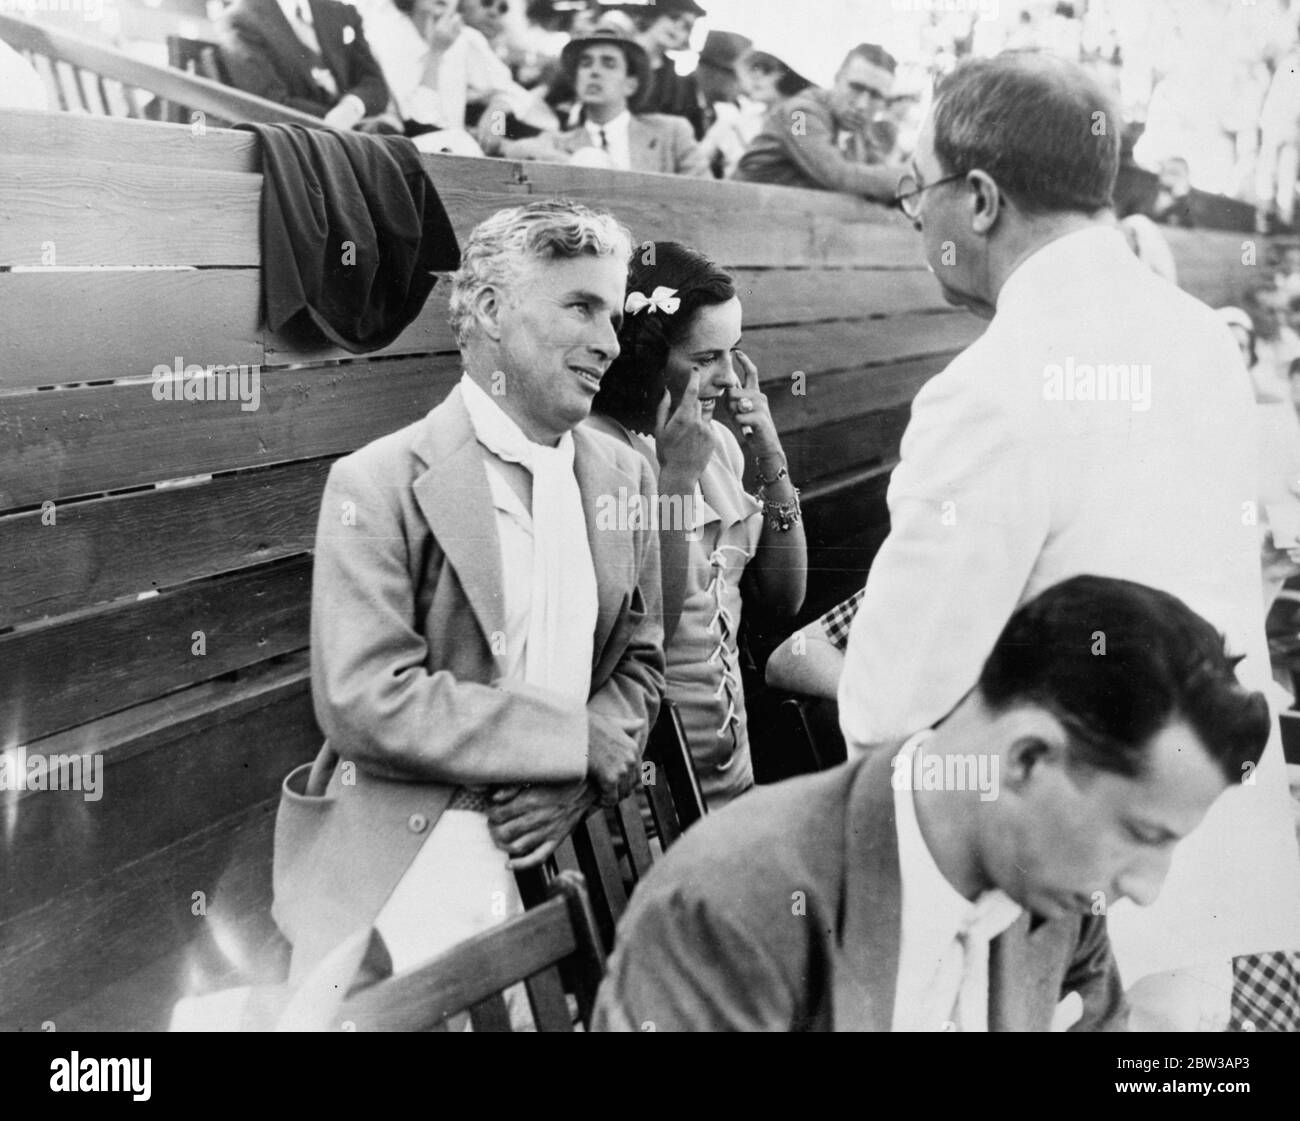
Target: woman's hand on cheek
<point>683,436</point>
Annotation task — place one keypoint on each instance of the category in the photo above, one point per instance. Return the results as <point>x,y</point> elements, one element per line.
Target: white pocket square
<point>349,35</point>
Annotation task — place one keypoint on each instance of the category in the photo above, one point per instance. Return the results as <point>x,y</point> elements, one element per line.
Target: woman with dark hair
<point>678,370</point>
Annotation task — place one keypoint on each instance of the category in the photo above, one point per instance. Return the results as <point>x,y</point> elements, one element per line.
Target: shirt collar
<point>493,426</point>
<point>290,10</point>
<point>1084,252</point>
<point>940,911</point>
<point>613,128</point>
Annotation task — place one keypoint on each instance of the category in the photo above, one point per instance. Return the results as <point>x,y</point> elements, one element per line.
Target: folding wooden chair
<point>612,849</point>
<point>473,976</point>
<point>194,56</point>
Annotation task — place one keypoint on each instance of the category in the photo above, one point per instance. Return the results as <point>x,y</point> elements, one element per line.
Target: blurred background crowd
<point>1210,89</point>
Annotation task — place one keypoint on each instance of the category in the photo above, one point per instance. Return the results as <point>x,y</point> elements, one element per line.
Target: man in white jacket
<point>1102,424</point>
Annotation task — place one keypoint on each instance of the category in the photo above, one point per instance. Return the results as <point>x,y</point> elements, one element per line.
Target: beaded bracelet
<point>781,516</point>
<point>766,482</point>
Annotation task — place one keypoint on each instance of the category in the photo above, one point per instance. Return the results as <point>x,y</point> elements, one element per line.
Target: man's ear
<point>487,306</point>
<point>1035,739</point>
<point>631,85</point>
<point>987,201</point>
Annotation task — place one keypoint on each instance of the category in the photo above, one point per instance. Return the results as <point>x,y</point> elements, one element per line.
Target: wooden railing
<point>155,556</point>
<point>83,75</point>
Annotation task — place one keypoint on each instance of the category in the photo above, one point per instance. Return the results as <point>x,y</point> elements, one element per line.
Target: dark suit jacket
<point>782,912</point>
<point>406,601</point>
<point>264,57</point>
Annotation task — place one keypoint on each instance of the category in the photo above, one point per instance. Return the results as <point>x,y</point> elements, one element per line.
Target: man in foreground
<point>962,882</point>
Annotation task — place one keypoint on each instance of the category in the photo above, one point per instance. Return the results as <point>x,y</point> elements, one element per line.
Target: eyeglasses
<point>908,196</point>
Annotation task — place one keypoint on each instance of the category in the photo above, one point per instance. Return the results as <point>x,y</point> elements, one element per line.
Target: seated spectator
<point>678,369</point>
<point>1173,205</point>
<point>310,55</point>
<point>811,660</point>
<point>819,138</point>
<point>962,881</point>
<point>485,667</point>
<point>664,26</point>
<point>437,66</point>
<point>764,81</point>
<point>609,72</point>
<point>1278,432</point>
<point>488,18</point>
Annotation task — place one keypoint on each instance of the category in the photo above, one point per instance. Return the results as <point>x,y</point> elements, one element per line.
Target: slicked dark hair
<point>1161,662</point>
<point>875,55</point>
<point>633,386</point>
<point>1041,126</point>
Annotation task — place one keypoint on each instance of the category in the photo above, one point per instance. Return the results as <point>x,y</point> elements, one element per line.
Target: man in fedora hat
<point>820,138</point>
<point>609,72</point>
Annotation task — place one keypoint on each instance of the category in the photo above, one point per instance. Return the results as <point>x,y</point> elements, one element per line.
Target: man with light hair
<point>485,663</point>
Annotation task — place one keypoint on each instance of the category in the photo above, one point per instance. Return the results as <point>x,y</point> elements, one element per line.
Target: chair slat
<point>599,864</point>
<point>632,827</point>
<point>547,1000</point>
<point>490,1014</point>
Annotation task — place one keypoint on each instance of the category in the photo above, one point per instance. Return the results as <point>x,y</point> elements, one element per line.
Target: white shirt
<point>1002,492</point>
<point>468,71</point>
<point>934,913</point>
<point>616,139</point>
<point>298,13</point>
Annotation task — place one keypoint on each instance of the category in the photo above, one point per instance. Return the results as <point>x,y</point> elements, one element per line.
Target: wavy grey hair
<point>549,229</point>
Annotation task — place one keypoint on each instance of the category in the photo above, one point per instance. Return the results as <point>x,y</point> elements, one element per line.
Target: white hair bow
<point>661,299</point>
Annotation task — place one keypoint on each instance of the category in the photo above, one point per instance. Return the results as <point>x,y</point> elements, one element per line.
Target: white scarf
<point>562,619</point>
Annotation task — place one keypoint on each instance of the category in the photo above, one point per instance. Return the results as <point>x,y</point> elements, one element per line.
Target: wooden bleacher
<point>83,75</point>
<point>128,525</point>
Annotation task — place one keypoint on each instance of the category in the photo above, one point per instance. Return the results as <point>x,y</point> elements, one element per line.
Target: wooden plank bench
<point>155,556</point>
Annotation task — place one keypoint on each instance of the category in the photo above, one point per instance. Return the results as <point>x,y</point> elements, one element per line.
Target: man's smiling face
<point>558,335</point>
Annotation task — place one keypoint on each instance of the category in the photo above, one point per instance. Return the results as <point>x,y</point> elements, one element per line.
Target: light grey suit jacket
<point>656,142</point>
<point>406,596</point>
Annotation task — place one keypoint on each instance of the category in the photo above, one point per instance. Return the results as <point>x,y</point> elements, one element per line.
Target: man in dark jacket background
<point>309,55</point>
